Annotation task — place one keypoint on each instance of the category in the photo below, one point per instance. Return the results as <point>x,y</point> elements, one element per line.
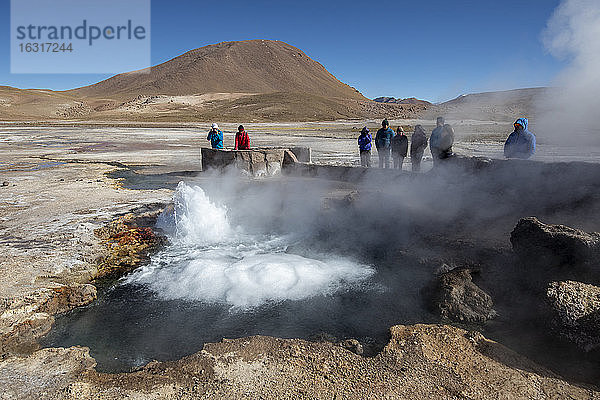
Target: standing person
<point>520,143</point>
<point>242,140</point>
<point>383,142</point>
<point>418,144</point>
<point>399,147</point>
<point>215,136</point>
<point>364,147</point>
<point>441,141</point>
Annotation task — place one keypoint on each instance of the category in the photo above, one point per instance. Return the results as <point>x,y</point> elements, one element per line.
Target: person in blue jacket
<point>364,146</point>
<point>383,142</point>
<point>520,143</point>
<point>215,136</point>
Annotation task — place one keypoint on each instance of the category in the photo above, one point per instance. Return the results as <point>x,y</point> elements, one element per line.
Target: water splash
<point>213,262</point>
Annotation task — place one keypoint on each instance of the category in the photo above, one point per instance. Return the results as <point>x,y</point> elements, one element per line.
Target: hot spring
<point>312,259</point>
<point>225,273</point>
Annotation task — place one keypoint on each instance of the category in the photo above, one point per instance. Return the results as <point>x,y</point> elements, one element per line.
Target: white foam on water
<point>213,262</point>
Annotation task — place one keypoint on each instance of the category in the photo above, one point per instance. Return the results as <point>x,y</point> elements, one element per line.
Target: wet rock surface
<point>577,312</point>
<point>455,297</point>
<point>23,321</point>
<point>129,241</point>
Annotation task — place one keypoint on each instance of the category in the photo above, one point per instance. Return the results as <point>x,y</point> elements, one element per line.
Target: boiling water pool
<point>217,280</point>
<point>252,262</point>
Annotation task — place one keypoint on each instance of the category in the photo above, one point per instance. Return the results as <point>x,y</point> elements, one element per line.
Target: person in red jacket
<point>242,141</point>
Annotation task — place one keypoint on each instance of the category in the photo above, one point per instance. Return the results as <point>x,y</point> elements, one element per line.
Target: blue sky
<point>430,49</point>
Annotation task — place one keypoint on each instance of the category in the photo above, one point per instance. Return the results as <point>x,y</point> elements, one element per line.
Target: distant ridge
<point>409,100</point>
<point>502,96</point>
<point>506,105</point>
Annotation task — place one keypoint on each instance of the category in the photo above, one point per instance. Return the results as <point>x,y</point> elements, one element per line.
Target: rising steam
<point>573,34</point>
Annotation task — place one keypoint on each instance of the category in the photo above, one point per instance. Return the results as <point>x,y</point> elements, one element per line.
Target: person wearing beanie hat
<point>242,140</point>
<point>364,147</point>
<point>215,136</point>
<point>383,143</point>
<point>399,147</point>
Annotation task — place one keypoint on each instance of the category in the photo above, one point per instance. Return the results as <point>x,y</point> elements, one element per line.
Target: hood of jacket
<point>523,122</point>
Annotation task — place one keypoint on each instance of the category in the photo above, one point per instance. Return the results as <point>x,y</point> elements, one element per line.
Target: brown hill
<point>252,66</point>
<point>254,80</point>
<point>38,104</point>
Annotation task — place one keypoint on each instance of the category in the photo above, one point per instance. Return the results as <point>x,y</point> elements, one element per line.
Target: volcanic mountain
<point>252,66</point>
<point>253,80</point>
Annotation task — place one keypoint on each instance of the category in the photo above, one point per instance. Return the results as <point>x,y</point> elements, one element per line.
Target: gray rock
<point>577,312</point>
<point>352,345</point>
<point>5,183</point>
<point>553,245</point>
<point>457,298</point>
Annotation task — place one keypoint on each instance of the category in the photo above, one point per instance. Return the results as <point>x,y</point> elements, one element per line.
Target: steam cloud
<point>573,33</point>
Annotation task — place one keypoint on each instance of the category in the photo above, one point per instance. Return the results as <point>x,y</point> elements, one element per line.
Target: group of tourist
<point>215,135</point>
<point>394,146</point>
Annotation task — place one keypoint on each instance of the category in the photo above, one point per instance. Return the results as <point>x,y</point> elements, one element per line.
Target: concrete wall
<point>503,172</point>
<point>257,161</point>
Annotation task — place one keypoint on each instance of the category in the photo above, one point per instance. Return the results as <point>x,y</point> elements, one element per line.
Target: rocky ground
<point>60,185</point>
<point>421,361</point>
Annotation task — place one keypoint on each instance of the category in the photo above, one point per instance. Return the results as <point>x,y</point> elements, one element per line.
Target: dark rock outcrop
<point>553,245</point>
<point>457,298</point>
<point>577,312</point>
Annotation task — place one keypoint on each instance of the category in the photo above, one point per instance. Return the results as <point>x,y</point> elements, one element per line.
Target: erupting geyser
<point>211,261</point>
